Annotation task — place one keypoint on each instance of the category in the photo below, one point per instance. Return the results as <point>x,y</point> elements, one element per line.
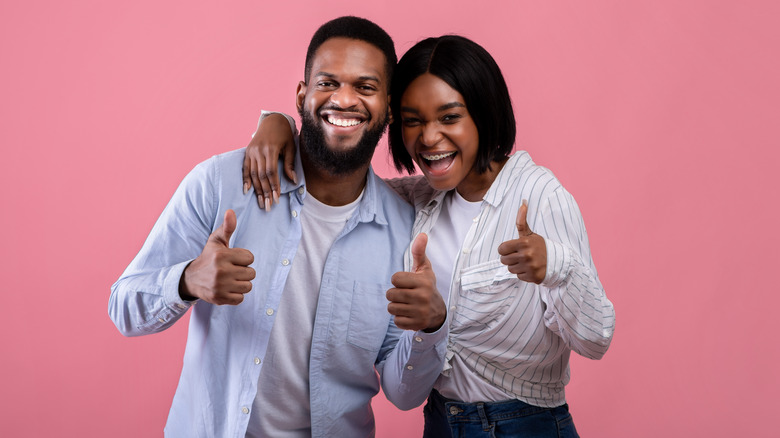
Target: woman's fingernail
<point>276,197</point>
<point>246,187</point>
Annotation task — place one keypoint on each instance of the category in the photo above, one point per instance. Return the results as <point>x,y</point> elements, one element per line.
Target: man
<point>290,316</point>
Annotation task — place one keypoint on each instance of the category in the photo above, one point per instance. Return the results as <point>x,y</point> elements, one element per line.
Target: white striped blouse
<point>517,335</point>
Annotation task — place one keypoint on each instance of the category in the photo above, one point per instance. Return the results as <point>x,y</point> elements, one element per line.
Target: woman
<point>509,247</point>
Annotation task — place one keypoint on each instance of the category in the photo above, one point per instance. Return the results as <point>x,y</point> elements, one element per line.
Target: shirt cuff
<point>173,300</point>
<point>559,259</point>
<point>422,340</point>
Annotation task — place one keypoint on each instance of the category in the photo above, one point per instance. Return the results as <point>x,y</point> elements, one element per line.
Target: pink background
<point>660,117</point>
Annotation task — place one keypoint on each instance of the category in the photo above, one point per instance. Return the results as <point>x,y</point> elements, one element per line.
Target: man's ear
<point>389,111</point>
<point>300,95</point>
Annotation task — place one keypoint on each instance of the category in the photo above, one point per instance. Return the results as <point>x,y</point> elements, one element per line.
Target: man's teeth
<point>343,122</point>
<point>436,157</point>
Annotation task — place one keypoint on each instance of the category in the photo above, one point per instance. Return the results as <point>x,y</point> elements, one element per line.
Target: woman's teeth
<point>436,157</point>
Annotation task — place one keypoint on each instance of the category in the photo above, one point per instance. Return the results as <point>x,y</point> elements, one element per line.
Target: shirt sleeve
<point>404,186</point>
<point>577,307</point>
<point>290,120</point>
<point>146,298</point>
<point>409,370</point>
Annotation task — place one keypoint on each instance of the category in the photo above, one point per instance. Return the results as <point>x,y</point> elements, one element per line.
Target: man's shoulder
<point>228,159</point>
<point>220,166</point>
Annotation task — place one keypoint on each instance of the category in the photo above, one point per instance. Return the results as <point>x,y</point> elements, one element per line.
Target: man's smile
<point>342,120</point>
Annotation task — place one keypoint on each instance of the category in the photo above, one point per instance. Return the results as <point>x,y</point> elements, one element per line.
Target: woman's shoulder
<point>411,188</point>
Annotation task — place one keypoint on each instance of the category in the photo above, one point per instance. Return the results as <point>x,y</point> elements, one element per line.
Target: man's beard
<point>337,162</point>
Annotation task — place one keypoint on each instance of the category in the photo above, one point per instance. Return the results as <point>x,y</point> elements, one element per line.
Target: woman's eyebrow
<point>444,107</point>
<point>450,105</point>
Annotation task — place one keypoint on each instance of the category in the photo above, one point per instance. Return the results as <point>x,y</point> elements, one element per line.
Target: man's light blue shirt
<point>353,336</point>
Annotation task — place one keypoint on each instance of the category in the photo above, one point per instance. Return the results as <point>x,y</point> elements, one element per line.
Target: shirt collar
<point>370,207</point>
<point>285,185</point>
<point>507,176</point>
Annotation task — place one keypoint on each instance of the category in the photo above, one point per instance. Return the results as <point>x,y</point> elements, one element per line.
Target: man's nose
<point>344,97</point>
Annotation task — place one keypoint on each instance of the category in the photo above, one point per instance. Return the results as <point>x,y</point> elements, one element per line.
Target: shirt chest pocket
<point>368,316</point>
<point>486,293</point>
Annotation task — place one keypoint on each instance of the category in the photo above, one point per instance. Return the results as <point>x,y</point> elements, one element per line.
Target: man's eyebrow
<point>324,73</point>
<point>444,107</point>
<point>361,78</point>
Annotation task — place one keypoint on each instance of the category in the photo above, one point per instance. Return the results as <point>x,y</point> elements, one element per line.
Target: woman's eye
<point>450,118</point>
<point>410,122</point>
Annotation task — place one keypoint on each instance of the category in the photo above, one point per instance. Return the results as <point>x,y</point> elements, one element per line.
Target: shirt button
<point>452,309</point>
<point>465,251</point>
<point>285,262</point>
<point>300,190</point>
<point>475,219</point>
<point>409,367</point>
<point>161,319</point>
<point>257,361</point>
<point>294,213</point>
<point>417,339</point>
<point>245,410</point>
<point>269,312</point>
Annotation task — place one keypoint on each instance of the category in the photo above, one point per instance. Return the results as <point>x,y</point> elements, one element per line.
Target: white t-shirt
<point>445,241</point>
<point>282,405</point>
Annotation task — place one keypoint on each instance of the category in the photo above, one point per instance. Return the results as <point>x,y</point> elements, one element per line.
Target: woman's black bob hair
<point>470,70</point>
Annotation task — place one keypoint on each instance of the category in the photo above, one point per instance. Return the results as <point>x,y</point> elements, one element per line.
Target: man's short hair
<point>470,70</point>
<point>355,28</point>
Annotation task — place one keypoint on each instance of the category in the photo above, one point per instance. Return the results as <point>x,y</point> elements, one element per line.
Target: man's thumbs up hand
<point>220,274</point>
<point>525,256</point>
<point>419,259</point>
<point>414,301</point>
<point>221,236</point>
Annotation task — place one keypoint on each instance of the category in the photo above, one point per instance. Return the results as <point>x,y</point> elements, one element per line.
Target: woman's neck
<point>475,185</point>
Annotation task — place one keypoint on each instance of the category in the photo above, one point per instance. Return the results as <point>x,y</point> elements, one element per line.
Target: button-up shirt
<point>353,334</point>
<point>515,335</point>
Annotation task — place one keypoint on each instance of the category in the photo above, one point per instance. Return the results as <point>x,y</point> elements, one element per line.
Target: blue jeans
<point>445,418</point>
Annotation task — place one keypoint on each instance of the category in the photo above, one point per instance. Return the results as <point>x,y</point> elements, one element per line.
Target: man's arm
<point>154,291</point>
<point>412,367</point>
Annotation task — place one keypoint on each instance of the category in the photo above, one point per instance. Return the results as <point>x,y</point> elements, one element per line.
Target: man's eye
<point>326,84</point>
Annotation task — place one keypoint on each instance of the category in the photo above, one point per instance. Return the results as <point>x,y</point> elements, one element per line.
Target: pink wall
<point>662,118</point>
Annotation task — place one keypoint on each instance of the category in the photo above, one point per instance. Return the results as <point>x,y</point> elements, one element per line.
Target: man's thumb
<point>223,233</point>
<point>522,224</point>
<point>420,260</point>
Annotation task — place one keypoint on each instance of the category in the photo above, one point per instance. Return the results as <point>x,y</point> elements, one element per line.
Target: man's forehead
<point>337,56</point>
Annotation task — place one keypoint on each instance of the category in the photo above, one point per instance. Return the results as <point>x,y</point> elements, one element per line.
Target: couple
<point>329,301</point>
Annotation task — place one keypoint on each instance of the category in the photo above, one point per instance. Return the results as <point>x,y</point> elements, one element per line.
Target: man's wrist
<point>183,290</point>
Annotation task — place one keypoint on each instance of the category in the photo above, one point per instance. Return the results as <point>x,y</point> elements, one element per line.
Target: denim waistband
<point>485,412</point>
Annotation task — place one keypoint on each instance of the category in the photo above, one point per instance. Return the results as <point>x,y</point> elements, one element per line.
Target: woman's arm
<point>275,137</point>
